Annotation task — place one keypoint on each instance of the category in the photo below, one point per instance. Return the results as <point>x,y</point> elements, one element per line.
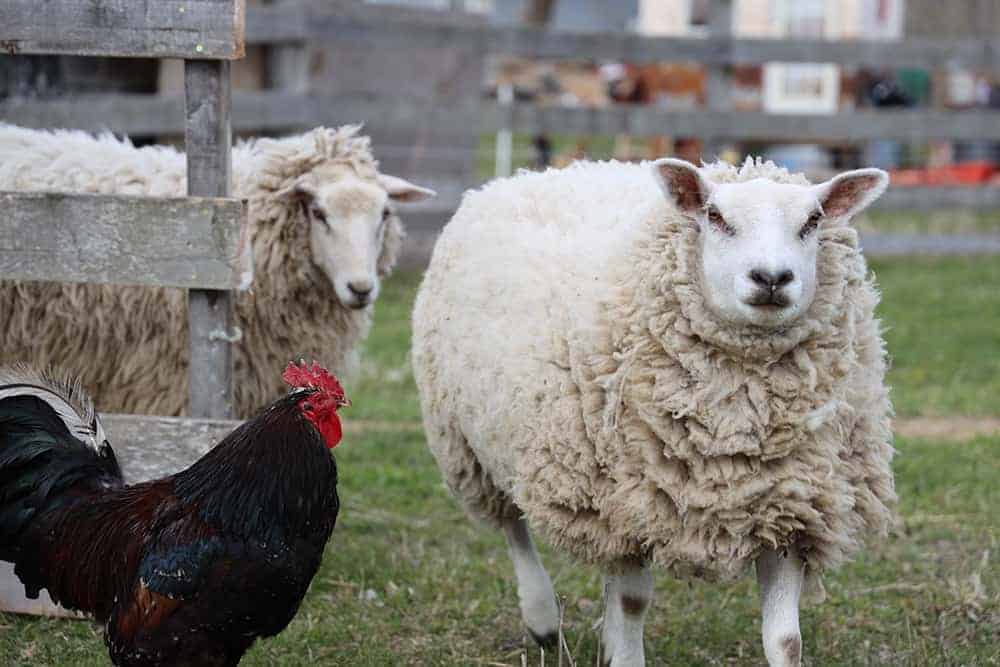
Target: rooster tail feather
<point>62,392</point>
<point>51,441</point>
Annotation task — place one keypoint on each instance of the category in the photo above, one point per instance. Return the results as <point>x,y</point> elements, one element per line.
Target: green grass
<point>408,580</point>
<point>384,389</point>
<point>943,333</point>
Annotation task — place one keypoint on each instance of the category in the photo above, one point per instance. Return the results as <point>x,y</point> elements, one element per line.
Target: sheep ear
<point>402,190</point>
<point>299,191</point>
<point>683,184</point>
<point>849,193</point>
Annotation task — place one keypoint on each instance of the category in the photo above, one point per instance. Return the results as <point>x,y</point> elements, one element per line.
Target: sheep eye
<point>811,224</point>
<point>716,220</point>
<point>317,213</point>
<point>386,213</point>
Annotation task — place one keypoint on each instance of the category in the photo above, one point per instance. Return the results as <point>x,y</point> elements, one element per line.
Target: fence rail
<point>278,111</point>
<point>369,26</point>
<point>123,28</point>
<point>181,242</point>
<point>308,24</point>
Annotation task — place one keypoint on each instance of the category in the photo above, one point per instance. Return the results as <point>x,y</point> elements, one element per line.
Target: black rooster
<point>185,570</point>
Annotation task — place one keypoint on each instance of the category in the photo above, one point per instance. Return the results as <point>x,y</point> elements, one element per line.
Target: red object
<point>324,398</point>
<point>973,172</point>
<point>907,177</point>
<point>964,173</point>
<point>185,570</point>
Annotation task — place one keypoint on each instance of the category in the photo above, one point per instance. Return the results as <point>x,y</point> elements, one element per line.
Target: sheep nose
<point>360,288</point>
<point>771,280</point>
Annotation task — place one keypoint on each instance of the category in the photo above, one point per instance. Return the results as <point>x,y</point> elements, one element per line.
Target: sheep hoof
<point>548,641</point>
<point>792,649</point>
<point>786,652</point>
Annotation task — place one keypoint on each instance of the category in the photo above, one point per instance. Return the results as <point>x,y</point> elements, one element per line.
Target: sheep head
<point>352,227</point>
<point>759,237</point>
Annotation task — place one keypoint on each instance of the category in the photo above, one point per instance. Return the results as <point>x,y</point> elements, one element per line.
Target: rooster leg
<point>534,588</point>
<point>627,597</point>
<point>780,576</point>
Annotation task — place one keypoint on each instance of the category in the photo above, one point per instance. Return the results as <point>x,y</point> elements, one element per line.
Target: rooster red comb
<point>315,377</point>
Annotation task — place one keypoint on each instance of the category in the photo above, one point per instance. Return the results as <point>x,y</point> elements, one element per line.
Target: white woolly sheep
<point>323,230</point>
<point>660,365</point>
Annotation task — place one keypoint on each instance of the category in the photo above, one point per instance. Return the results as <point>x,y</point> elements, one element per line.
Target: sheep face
<point>759,239</point>
<point>348,218</point>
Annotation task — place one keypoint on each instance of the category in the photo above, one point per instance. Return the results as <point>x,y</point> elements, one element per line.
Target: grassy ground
<point>408,580</point>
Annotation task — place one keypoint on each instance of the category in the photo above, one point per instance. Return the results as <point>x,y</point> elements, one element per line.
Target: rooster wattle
<point>185,570</point>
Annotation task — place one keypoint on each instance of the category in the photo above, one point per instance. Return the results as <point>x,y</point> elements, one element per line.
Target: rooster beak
<point>344,402</point>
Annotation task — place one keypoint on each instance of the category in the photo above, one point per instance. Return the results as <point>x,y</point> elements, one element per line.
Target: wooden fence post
<point>717,85</point>
<point>209,162</point>
<point>287,63</point>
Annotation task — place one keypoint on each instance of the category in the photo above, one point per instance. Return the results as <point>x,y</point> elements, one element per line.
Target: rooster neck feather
<point>271,479</point>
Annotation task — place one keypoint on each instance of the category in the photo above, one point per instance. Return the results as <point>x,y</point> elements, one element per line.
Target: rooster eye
<point>811,224</point>
<point>719,223</point>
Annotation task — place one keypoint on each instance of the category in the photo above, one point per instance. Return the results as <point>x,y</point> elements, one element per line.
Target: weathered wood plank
<point>896,198</point>
<point>287,63</point>
<point>126,28</point>
<point>151,447</point>
<point>372,26</point>
<point>120,239</point>
<point>897,245</point>
<point>282,111</point>
<point>209,165</point>
<point>906,125</point>
<point>717,84</point>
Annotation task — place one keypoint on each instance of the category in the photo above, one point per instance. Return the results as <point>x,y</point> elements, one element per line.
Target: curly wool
<point>130,344</point>
<point>627,422</point>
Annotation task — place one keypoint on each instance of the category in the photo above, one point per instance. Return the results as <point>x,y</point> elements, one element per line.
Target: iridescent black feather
<point>186,570</point>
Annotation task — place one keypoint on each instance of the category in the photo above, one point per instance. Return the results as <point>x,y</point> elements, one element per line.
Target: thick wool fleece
<point>570,370</point>
<point>130,344</point>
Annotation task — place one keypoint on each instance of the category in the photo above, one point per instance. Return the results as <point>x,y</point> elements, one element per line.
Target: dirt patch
<point>952,429</point>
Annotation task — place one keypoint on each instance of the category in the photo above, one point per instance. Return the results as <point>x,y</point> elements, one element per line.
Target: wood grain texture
<point>120,239</point>
<point>151,447</point>
<point>372,26</point>
<point>209,165</point>
<point>282,111</point>
<point>125,28</point>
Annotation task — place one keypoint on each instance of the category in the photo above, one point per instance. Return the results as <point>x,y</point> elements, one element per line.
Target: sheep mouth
<point>768,300</point>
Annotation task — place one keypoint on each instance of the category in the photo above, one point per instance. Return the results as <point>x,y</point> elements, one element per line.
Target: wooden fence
<point>197,242</point>
<point>297,26</point>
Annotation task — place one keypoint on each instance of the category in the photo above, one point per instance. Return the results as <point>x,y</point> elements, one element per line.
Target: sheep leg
<point>627,598</point>
<point>534,587</point>
<point>780,576</point>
